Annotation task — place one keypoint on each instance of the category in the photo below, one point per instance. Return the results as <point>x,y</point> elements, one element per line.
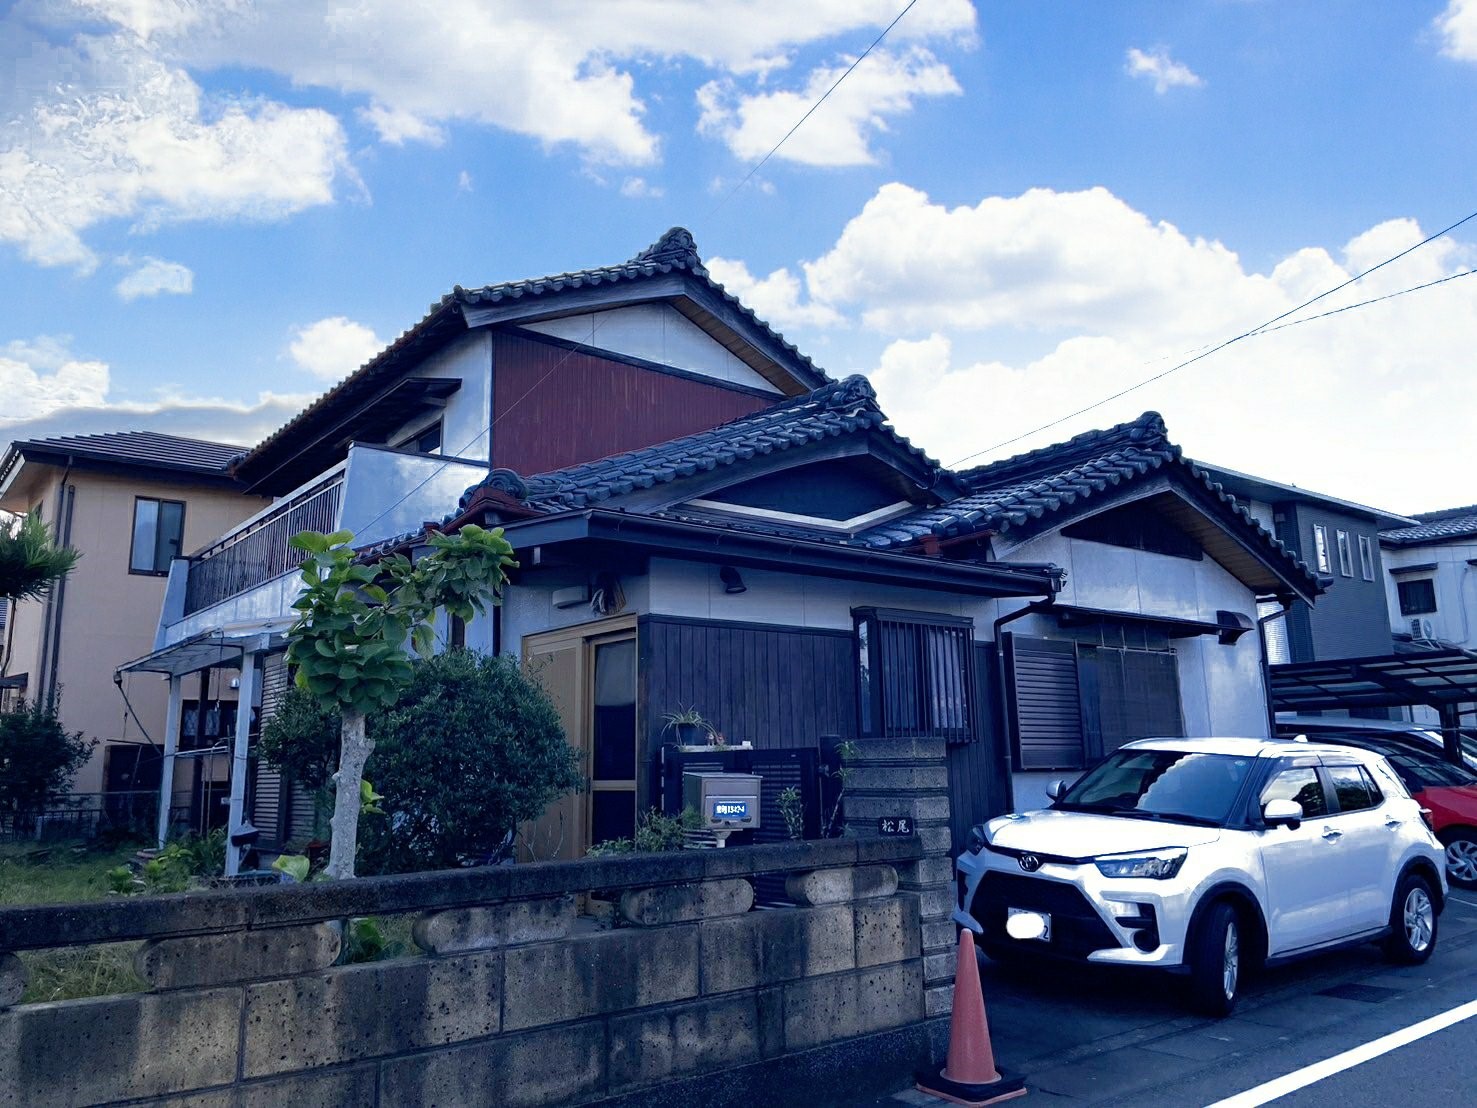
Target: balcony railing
<point>258,552</point>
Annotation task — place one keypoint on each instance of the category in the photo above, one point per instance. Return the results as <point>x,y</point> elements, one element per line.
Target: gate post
<point>910,778</point>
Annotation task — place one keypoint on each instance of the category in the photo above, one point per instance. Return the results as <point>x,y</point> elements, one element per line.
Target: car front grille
<point>1076,928</point>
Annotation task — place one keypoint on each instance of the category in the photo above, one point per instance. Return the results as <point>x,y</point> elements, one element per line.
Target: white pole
<point>171,748</point>
<point>245,696</point>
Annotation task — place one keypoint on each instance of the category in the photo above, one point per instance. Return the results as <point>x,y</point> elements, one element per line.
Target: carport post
<point>1451,722</point>
<point>245,697</point>
<point>171,748</point>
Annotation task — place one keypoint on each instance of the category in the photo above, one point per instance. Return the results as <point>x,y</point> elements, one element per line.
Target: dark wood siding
<point>771,686</point>
<point>555,407</point>
<point>979,771</point>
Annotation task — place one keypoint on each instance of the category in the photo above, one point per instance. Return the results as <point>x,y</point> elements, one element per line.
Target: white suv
<point>1205,856</point>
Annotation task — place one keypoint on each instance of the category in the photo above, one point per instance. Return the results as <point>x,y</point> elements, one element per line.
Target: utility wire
<point>747,177</point>
<point>811,110</point>
<point>1264,328</point>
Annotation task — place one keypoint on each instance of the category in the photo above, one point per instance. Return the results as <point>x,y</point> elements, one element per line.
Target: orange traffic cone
<point>969,1075</point>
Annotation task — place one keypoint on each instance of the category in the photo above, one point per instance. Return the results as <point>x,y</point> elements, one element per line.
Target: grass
<point>64,873</point>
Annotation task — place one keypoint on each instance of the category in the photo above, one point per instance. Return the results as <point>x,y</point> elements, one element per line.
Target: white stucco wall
<point>655,333</point>
<point>529,609</point>
<point>1221,690</point>
<point>1455,617</point>
<point>468,411</point>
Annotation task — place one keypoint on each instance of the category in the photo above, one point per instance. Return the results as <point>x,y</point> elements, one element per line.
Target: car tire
<point>1217,960</point>
<point>1413,922</point>
<point>1461,856</point>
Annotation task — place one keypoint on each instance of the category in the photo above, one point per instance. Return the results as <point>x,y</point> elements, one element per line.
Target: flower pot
<point>687,733</point>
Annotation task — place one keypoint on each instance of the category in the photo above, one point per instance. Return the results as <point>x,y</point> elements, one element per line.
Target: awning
<point>1229,626</point>
<point>1437,678</point>
<point>217,648</point>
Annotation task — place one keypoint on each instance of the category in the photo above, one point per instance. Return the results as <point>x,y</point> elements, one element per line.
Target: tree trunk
<point>357,746</point>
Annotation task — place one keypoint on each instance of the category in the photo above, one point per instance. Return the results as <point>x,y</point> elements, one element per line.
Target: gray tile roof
<point>675,251</point>
<point>146,449</point>
<point>1020,492</point>
<point>840,408</point>
<point>1435,527</point>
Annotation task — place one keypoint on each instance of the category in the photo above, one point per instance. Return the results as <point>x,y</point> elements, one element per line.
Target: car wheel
<point>1461,857</point>
<point>1216,961</point>
<point>1412,921</point>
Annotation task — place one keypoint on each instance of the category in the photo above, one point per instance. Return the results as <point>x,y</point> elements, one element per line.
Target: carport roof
<point>1433,677</point>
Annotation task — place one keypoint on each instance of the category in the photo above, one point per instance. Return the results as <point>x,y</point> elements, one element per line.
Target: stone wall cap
<point>150,917</point>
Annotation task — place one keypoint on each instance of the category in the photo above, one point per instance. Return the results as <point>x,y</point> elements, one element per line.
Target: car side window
<point>1355,791</point>
<point>1302,785</point>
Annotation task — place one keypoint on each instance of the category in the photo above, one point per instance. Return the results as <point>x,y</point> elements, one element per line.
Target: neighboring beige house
<point>130,502</point>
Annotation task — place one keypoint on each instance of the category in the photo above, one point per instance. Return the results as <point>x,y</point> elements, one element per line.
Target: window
<point>1300,785</point>
<point>915,674</point>
<point>1346,555</point>
<point>1366,558</point>
<point>1174,784</point>
<point>1417,597</point>
<point>1353,787</point>
<point>425,441</point>
<point>1320,548</point>
<point>158,531</point>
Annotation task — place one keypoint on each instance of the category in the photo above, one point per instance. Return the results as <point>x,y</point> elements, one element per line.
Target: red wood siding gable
<point>554,407</point>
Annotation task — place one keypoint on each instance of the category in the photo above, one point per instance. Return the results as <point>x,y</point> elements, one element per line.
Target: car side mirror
<point>1283,813</point>
<point>1057,789</point>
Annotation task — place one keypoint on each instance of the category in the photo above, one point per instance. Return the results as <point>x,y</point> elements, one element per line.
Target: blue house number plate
<point>731,809</point>
<point>895,825</point>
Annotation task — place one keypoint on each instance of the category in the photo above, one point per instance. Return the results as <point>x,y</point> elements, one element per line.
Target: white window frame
<point>1322,560</point>
<point>1346,553</point>
<point>1366,558</point>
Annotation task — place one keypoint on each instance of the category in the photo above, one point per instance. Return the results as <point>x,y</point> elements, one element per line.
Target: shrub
<point>473,749</point>
<point>38,757</point>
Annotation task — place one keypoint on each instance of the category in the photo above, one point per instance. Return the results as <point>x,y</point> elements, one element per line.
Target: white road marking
<point>1308,1075</point>
<point>1459,900</point>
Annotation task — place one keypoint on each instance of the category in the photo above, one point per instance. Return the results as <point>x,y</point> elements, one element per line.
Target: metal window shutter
<point>266,809</point>
<point>1046,706</point>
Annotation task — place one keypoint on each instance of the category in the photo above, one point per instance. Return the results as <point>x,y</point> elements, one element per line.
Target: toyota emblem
<point>1029,862</point>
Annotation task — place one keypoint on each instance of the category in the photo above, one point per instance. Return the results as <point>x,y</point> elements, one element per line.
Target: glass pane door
<point>613,739</point>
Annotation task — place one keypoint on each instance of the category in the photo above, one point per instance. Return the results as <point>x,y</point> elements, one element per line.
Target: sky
<point>1008,211</point>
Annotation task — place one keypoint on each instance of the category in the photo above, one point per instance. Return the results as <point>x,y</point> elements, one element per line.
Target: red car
<point>1449,791</point>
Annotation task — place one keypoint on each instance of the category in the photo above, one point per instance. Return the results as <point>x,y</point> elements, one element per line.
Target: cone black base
<point>932,1080</point>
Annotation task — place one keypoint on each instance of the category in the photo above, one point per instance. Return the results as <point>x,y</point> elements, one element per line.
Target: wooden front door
<point>590,673</point>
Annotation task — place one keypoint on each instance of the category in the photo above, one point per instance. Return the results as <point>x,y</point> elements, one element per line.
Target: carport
<point>1440,679</point>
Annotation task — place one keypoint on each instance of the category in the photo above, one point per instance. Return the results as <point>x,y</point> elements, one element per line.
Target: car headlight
<point>1158,864</point>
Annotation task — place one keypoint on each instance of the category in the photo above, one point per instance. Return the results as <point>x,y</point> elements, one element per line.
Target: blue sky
<point>209,213</point>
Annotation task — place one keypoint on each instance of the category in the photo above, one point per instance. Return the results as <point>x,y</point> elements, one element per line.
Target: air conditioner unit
<point>1422,628</point>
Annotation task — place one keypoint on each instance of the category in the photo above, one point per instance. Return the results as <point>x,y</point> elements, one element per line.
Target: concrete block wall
<point>517,1001</point>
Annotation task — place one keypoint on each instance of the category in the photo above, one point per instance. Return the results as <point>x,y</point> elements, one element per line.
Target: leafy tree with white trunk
<point>348,644</point>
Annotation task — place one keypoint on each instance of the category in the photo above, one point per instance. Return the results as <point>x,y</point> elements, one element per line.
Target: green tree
<point>348,643</point>
<point>301,738</point>
<point>30,562</point>
<point>38,757</point>
<point>473,749</point>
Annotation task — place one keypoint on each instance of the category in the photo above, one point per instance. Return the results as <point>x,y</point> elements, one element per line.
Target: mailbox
<point>724,801</point>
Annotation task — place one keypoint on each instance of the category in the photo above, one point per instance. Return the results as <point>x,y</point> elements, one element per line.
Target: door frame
<point>584,638</point>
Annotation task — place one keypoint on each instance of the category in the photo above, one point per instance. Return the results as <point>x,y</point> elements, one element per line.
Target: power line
<point>598,322</point>
<point>1265,328</point>
<point>811,110</point>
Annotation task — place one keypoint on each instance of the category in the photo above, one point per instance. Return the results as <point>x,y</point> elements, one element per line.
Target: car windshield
<point>1178,785</point>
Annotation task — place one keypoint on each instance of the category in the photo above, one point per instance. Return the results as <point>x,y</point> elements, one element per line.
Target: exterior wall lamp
<point>732,582</point>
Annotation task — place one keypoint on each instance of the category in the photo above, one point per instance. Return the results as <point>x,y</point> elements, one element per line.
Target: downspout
<point>1002,677</point>
<point>1261,631</point>
<point>61,600</point>
<point>50,624</point>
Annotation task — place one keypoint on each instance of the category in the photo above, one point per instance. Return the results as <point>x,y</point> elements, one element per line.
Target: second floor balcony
<point>251,572</point>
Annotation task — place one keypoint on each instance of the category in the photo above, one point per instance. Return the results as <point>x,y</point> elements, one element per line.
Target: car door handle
<point>1330,834</point>
<point>1393,822</point>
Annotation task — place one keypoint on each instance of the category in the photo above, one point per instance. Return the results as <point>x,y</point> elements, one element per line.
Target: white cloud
<point>639,188</point>
<point>464,181</point>
<point>1157,66</point>
<point>988,321</point>
<point>333,348</point>
<point>885,84</point>
<point>100,129</point>
<point>1458,28</point>
<point>41,376</point>
<point>155,276</point>
<point>776,299</point>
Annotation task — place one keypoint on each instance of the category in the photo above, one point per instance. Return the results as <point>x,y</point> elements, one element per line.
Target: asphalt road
<point>1084,1036</point>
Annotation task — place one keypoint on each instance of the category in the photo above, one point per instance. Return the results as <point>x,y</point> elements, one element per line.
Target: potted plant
<point>687,724</point>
